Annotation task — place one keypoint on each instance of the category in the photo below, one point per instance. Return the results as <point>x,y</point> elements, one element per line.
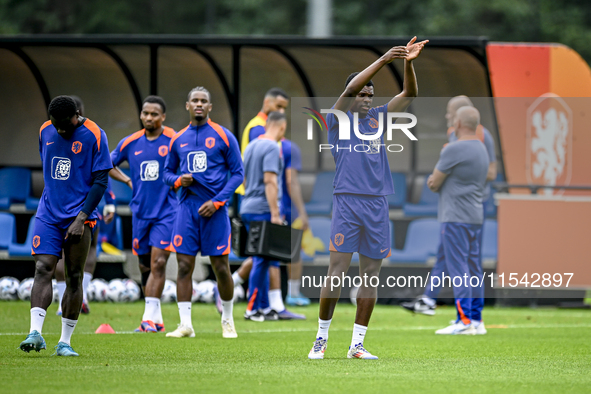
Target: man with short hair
<point>76,163</point>
<point>263,166</point>
<point>360,214</point>
<point>426,303</point>
<point>460,177</point>
<point>153,203</point>
<point>205,153</point>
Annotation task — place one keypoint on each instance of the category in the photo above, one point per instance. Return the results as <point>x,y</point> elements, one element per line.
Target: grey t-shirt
<point>489,144</point>
<point>466,164</point>
<point>261,155</point>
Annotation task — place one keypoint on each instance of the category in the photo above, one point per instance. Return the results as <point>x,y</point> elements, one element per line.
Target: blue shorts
<point>360,223</point>
<point>194,233</point>
<point>50,238</point>
<point>152,232</point>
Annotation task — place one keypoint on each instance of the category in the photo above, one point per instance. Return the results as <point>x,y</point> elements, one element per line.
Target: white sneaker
<point>457,329</point>
<point>359,352</point>
<point>317,352</point>
<point>228,330</point>
<point>182,331</point>
<point>480,329</point>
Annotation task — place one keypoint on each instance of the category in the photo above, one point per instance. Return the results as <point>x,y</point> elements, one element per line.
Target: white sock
<point>61,289</point>
<point>429,301</point>
<point>185,313</point>
<point>276,301</point>
<point>293,287</point>
<point>227,307</point>
<point>85,282</point>
<point>237,279</point>
<point>323,326</point>
<point>67,329</point>
<point>157,316</point>
<point>358,335</point>
<point>37,319</point>
<point>150,309</point>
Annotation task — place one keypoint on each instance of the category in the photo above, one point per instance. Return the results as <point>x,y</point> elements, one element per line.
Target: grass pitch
<point>542,350</point>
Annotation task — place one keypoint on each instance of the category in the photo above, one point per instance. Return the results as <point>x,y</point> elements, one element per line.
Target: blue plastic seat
<point>15,185</point>
<point>397,199</point>
<point>320,227</point>
<point>422,240</point>
<point>490,239</point>
<point>427,205</point>
<point>112,233</point>
<point>24,249</point>
<point>321,201</point>
<point>7,229</point>
<point>234,259</point>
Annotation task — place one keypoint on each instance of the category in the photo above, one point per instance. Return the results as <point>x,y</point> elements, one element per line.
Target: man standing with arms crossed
<point>153,203</point>
<point>360,221</point>
<point>205,153</point>
<point>460,177</point>
<point>76,163</point>
<point>263,164</point>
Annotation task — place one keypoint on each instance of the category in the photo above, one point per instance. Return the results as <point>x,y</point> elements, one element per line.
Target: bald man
<point>426,303</point>
<point>460,178</point>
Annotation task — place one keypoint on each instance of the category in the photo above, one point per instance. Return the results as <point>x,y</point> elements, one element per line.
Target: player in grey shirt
<point>263,166</point>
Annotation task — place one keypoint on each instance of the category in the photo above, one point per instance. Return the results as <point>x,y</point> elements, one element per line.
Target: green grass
<point>542,350</point>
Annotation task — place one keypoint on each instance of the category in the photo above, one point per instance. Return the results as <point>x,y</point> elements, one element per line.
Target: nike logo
<point>41,315</point>
<point>164,243</point>
<point>138,152</point>
<point>49,143</point>
<point>70,325</point>
<point>383,250</point>
<point>183,145</point>
<point>221,247</point>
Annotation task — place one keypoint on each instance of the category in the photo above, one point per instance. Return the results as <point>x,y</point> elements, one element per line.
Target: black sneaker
<point>257,316</point>
<point>272,315</point>
<point>419,306</point>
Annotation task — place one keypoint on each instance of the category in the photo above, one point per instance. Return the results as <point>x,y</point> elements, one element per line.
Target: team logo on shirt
<point>197,161</point>
<point>163,150</point>
<point>339,239</point>
<point>60,168</point>
<point>210,142</point>
<point>373,123</point>
<point>549,142</point>
<point>149,170</point>
<point>36,241</point>
<point>76,147</point>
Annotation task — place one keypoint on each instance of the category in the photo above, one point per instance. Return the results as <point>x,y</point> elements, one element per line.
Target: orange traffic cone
<point>105,329</point>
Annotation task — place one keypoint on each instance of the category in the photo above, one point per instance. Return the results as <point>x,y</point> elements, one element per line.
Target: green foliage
<point>563,21</point>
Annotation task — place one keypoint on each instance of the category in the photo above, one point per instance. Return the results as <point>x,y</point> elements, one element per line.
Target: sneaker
<point>228,330</point>
<point>182,331</point>
<point>480,329</point>
<point>34,341</point>
<point>458,328</point>
<point>298,300</point>
<point>63,349</point>
<point>418,305</point>
<point>147,326</point>
<point>160,327</point>
<point>271,315</point>
<point>218,299</point>
<point>59,311</point>
<point>287,315</point>
<point>84,309</point>
<point>257,316</point>
<point>318,349</point>
<point>359,352</point>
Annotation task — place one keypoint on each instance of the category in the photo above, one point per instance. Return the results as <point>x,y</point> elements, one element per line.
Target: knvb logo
<point>373,139</point>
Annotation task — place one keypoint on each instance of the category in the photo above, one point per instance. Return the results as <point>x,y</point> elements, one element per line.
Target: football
<point>205,291</point>
<point>97,290</point>
<point>9,288</point>
<point>24,289</point>
<point>195,293</point>
<point>169,292</point>
<point>132,291</point>
<point>116,292</point>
